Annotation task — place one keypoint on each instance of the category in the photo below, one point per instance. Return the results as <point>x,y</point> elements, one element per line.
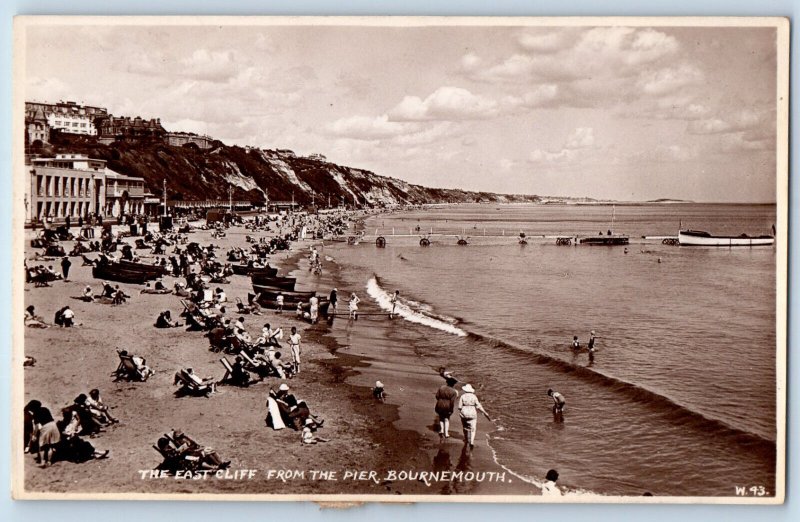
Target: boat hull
<point>283,283</point>
<point>698,238</point>
<point>246,270</point>
<point>604,240</point>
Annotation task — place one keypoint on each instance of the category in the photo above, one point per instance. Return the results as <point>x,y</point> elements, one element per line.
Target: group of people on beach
<point>52,440</point>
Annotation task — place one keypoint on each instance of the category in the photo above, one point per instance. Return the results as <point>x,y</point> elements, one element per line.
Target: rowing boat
<point>282,283</point>
<point>249,270</point>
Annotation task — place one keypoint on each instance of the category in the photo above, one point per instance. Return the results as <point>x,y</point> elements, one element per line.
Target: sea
<point>680,396</point>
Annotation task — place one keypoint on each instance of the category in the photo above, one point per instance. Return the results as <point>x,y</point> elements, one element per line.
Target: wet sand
<point>365,435</point>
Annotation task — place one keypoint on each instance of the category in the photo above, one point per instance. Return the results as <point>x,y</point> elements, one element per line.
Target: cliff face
<point>194,174</point>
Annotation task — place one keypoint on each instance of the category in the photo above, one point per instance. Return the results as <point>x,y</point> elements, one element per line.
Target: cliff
<point>194,174</point>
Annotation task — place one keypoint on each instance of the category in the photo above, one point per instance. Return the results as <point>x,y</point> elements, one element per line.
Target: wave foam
<point>411,311</point>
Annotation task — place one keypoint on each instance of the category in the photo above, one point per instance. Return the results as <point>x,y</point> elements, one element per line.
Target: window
<point>58,122</point>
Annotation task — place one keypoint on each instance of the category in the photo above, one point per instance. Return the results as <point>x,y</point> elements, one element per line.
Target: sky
<point>625,113</point>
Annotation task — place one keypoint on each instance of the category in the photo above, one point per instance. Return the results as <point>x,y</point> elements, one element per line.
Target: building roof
<point>110,174</point>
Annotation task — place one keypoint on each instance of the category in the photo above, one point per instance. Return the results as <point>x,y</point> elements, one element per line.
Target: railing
<point>209,203</point>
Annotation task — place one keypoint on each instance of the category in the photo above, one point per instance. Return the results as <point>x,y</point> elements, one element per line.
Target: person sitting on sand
<point>185,453</point>
<point>239,376</point>
<point>65,317</point>
<point>88,294</point>
<point>379,392</point>
<point>550,488</point>
<point>301,414</point>
<point>559,402</point>
<point>82,422</point>
<point>32,320</point>
<point>307,436</point>
<point>283,369</point>
<point>220,297</point>
<point>180,290</point>
<point>108,291</point>
<point>98,408</point>
<point>197,379</point>
<point>165,320</point>
<point>143,370</point>
<point>270,337</point>
<point>154,290</point>
<point>286,402</point>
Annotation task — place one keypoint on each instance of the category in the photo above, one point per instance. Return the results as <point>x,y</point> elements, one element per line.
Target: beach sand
<point>365,435</point>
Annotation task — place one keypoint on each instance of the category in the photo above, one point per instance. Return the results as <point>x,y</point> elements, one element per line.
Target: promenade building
<point>66,185</point>
<point>75,185</point>
<point>123,195</point>
<point>67,116</point>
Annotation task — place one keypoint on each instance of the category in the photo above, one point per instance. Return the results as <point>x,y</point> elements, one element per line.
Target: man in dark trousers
<point>65,264</point>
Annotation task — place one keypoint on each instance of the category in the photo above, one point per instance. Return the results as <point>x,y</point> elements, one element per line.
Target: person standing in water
<point>592,338</point>
<point>559,402</point>
<point>394,302</point>
<point>468,408</point>
<point>445,405</point>
<point>332,302</point>
<point>354,300</point>
<point>576,344</point>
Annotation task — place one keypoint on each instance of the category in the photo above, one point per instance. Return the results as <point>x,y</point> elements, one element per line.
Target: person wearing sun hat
<point>379,391</point>
<point>468,408</point>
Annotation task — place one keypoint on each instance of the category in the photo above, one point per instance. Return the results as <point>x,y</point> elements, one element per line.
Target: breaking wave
<point>412,311</point>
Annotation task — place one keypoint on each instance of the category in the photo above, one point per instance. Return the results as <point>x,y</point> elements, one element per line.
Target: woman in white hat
<point>468,408</point>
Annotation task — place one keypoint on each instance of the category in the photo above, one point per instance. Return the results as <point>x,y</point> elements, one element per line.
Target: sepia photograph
<point>400,259</point>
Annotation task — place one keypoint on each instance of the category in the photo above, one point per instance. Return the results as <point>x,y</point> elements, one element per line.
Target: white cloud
<point>742,120</point>
<point>445,103</point>
<point>670,79</point>
<point>470,61</point>
<point>214,66</point>
<point>581,138</point>
<point>544,42</point>
<point>370,128</point>
<point>506,163</point>
<point>47,89</point>
<point>663,154</point>
<point>543,95</point>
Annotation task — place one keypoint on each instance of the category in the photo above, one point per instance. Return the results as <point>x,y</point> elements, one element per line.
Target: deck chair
<point>87,261</point>
<point>228,377</point>
<point>128,370</point>
<point>189,386</point>
<point>262,370</point>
